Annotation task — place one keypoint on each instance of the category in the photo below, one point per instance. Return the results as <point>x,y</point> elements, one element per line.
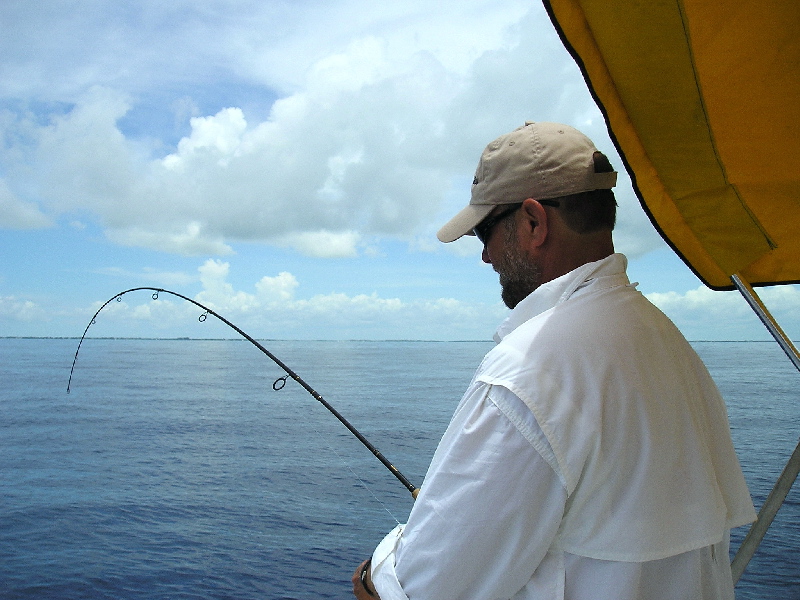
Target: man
<point>590,457</point>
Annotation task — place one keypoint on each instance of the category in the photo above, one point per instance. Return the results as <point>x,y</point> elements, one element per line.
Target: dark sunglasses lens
<point>480,232</point>
<point>482,229</point>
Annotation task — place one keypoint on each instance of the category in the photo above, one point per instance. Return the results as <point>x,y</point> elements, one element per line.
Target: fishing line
<point>277,384</point>
<point>350,468</point>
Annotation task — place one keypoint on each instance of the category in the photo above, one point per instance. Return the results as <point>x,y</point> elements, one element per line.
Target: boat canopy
<point>702,98</point>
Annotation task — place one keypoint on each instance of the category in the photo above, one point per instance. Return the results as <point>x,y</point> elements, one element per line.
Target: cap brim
<point>464,222</point>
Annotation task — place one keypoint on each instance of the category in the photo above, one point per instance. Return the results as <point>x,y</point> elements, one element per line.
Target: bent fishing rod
<point>277,384</point>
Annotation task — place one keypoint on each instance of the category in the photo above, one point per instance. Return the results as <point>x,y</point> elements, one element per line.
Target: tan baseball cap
<point>537,160</point>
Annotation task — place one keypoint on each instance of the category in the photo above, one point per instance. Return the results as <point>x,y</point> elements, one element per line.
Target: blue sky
<point>287,163</point>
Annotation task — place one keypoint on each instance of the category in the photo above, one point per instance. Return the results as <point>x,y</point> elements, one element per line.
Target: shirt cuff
<point>384,578</point>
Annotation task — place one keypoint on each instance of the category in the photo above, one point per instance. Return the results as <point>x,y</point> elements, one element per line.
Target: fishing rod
<point>276,385</point>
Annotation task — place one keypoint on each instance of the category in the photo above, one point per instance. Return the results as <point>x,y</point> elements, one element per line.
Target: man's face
<point>519,275</point>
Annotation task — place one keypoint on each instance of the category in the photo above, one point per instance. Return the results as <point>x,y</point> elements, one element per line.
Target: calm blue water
<point>173,470</point>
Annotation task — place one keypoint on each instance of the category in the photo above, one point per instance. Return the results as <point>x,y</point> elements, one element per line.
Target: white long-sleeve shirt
<point>489,522</point>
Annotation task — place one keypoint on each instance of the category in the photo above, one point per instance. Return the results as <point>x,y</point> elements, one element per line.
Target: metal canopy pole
<point>790,471</point>
<point>769,321</point>
<point>765,516</point>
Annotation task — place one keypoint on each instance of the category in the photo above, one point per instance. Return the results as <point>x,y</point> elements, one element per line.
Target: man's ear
<point>535,222</point>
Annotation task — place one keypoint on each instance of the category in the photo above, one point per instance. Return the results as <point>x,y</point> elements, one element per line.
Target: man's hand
<point>362,583</point>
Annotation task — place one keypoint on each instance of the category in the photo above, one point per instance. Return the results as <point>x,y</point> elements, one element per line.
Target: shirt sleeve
<point>488,511</point>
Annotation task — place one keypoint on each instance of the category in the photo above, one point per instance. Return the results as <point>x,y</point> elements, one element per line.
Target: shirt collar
<point>556,291</point>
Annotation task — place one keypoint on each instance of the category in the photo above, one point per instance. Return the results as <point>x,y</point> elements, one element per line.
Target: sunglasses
<point>484,228</point>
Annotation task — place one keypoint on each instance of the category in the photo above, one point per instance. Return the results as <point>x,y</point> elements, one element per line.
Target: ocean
<point>174,470</point>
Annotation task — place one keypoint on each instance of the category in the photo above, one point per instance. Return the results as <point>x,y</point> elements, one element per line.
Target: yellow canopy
<point>702,100</point>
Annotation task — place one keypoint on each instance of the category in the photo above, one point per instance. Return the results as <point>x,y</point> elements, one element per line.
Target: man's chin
<point>513,295</point>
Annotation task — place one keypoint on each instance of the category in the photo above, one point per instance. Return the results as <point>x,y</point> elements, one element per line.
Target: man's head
<point>549,189</point>
<point>539,160</point>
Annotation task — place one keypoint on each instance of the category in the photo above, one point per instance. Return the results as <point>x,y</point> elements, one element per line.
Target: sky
<point>288,164</point>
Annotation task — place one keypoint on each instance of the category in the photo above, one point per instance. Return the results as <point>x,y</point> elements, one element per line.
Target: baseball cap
<point>537,160</point>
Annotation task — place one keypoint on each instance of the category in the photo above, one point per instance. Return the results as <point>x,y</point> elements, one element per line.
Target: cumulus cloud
<point>693,310</point>
<point>372,127</point>
<point>20,309</point>
<point>274,308</point>
<point>278,289</point>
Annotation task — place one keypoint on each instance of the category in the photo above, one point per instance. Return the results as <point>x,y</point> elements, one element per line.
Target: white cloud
<point>278,289</point>
<point>18,214</point>
<point>219,136</point>
<point>701,298</point>
<point>190,241</point>
<point>323,244</point>
<point>272,309</point>
<point>381,110</point>
<point>12,307</point>
<point>219,294</point>
<point>82,161</point>
<point>781,297</point>
<point>695,309</point>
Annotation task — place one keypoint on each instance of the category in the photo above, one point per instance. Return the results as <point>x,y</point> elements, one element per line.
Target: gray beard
<point>518,275</point>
